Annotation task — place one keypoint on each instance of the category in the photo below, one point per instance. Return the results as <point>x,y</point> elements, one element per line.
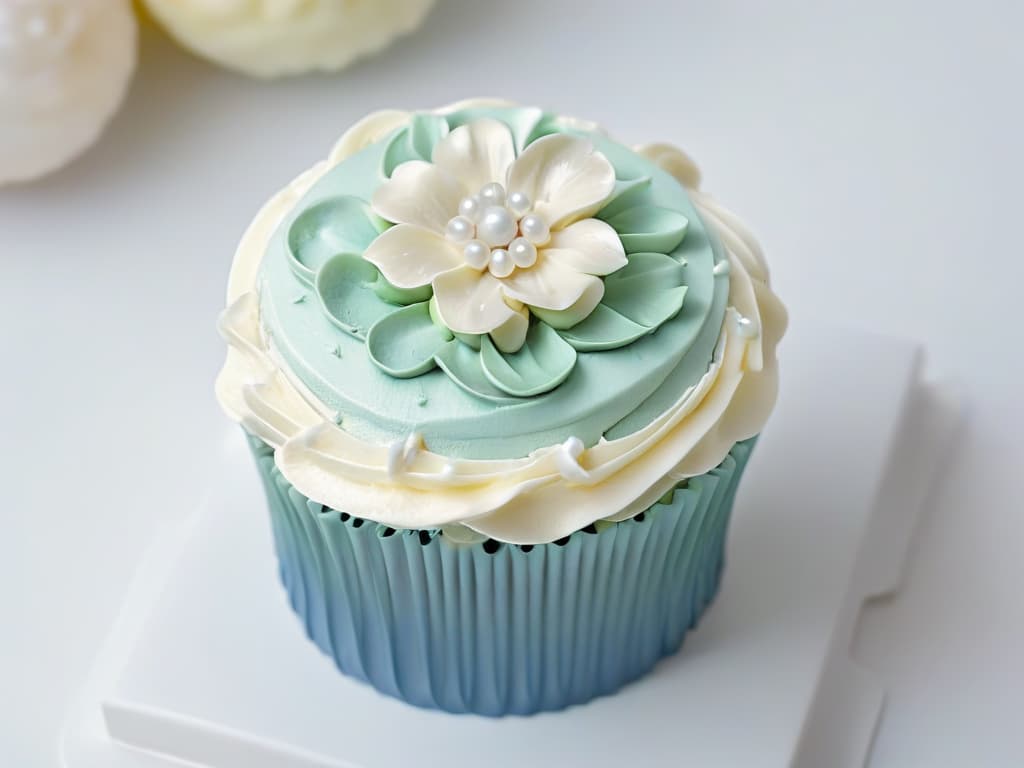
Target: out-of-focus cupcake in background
<point>64,69</point>
<point>271,38</point>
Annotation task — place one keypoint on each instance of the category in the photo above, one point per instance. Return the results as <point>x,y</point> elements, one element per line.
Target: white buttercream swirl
<point>553,491</point>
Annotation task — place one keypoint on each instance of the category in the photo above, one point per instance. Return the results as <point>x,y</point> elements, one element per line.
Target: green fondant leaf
<point>522,121</point>
<point>647,228</point>
<point>604,329</point>
<point>343,287</point>
<point>395,295</point>
<point>628,193</point>
<point>414,142</point>
<point>403,343</point>
<point>463,366</point>
<point>648,291</point>
<point>341,224</point>
<point>543,362</point>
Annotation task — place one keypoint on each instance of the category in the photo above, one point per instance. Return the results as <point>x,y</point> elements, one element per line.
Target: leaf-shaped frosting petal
<point>604,329</point>
<point>628,193</point>
<point>649,290</point>
<point>414,142</point>
<point>522,121</point>
<point>336,225</point>
<point>462,364</point>
<point>646,228</point>
<point>343,288</point>
<point>543,362</point>
<point>403,343</point>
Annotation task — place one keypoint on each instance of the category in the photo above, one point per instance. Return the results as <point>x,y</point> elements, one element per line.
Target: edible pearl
<point>497,226</point>
<point>524,253</point>
<point>746,327</point>
<point>534,229</point>
<point>519,203</point>
<point>477,253</point>
<point>471,207</point>
<point>501,263</point>
<point>493,194</point>
<point>460,230</point>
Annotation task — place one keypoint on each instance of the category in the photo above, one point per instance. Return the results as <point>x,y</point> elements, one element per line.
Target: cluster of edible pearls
<point>497,230</point>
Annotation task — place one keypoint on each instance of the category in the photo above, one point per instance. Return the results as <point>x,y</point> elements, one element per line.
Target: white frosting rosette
<point>557,489</point>
<point>268,38</point>
<point>64,69</point>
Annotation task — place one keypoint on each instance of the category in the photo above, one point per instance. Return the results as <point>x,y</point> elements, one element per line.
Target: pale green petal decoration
<point>628,193</point>
<point>414,142</point>
<point>463,366</point>
<point>544,362</point>
<point>649,290</point>
<point>403,343</point>
<point>524,123</point>
<point>395,295</point>
<point>646,228</point>
<point>343,287</point>
<point>604,329</point>
<point>336,225</point>
<point>638,298</point>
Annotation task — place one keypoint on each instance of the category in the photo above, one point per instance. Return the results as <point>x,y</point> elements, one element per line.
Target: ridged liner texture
<point>493,628</point>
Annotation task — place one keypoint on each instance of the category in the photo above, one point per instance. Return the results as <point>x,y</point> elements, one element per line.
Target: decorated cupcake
<point>501,376</point>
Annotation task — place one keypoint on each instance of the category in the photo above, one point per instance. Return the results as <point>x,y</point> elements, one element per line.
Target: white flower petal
<point>549,285</point>
<point>476,153</point>
<point>419,193</point>
<point>564,175</point>
<point>590,246</point>
<point>410,256</point>
<point>469,301</point>
<point>510,335</point>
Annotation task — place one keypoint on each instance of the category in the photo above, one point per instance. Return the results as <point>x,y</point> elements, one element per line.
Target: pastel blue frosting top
<point>372,353</point>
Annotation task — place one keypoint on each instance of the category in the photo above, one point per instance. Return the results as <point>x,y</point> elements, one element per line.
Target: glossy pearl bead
<point>493,194</point>
<point>534,229</point>
<point>471,207</point>
<point>519,203</point>
<point>477,253</point>
<point>746,328</point>
<point>501,263</point>
<point>497,227</point>
<point>460,230</point>
<point>524,253</point>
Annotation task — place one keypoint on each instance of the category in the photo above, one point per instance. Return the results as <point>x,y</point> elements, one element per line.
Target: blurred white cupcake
<point>268,38</point>
<point>64,69</point>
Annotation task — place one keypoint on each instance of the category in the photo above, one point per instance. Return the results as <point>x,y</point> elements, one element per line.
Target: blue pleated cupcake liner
<point>493,628</point>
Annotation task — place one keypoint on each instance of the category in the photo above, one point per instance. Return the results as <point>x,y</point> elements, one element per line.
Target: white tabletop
<point>872,145</point>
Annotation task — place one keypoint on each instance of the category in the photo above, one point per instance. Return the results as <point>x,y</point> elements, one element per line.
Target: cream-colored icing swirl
<point>553,491</point>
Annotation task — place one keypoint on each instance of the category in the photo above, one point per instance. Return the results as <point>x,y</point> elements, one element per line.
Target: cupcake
<point>501,375</point>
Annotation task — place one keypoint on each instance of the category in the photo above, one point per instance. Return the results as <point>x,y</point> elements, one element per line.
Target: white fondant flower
<point>495,234</point>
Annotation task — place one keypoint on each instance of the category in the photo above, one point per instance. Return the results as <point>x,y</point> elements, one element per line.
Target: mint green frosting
<point>379,357</point>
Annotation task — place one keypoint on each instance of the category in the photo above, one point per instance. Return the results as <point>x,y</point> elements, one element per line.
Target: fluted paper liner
<point>500,629</point>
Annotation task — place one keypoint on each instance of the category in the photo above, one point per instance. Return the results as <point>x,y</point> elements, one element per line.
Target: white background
<point>873,145</point>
